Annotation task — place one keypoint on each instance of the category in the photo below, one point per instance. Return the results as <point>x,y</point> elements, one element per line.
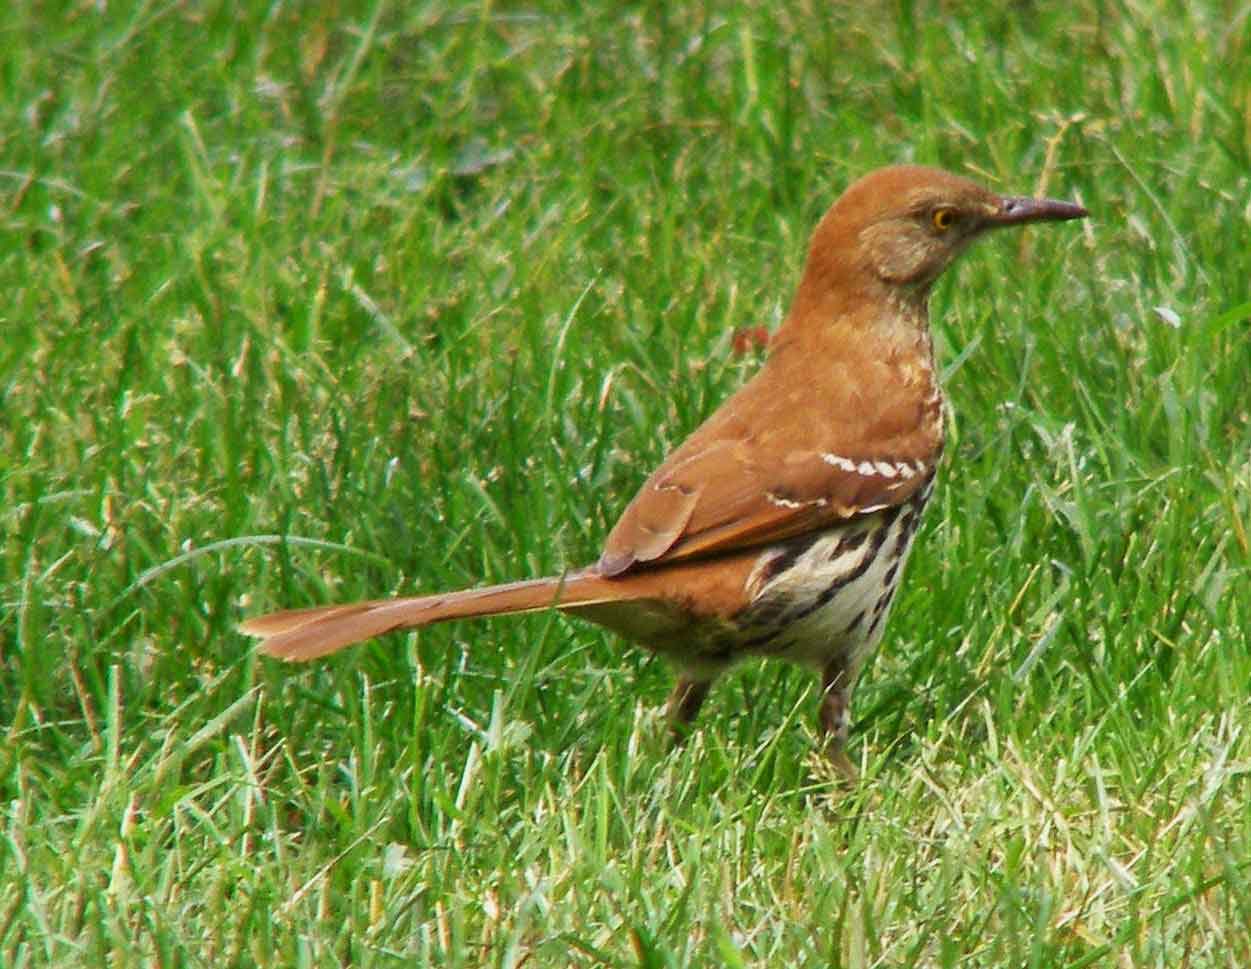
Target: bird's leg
<point>835,716</point>
<point>683,705</point>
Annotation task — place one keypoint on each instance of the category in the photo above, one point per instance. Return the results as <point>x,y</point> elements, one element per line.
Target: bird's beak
<point>1018,211</point>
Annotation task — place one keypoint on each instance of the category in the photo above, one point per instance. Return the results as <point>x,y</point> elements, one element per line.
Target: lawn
<point>344,300</point>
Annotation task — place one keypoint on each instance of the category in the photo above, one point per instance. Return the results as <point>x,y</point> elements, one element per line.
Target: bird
<point>781,526</point>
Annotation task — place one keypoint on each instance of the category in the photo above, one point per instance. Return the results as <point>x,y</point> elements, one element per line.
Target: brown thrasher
<point>781,525</point>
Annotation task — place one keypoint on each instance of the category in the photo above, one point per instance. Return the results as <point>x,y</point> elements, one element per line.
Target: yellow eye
<point>944,219</point>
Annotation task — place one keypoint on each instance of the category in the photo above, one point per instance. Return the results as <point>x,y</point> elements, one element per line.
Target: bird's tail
<point>304,634</point>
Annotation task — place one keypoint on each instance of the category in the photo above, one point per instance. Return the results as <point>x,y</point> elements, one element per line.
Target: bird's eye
<point>944,219</point>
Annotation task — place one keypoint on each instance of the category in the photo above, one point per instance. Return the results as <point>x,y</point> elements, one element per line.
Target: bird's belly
<point>833,597</point>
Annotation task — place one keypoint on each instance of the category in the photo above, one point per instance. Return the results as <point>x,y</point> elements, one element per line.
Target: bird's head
<point>900,227</point>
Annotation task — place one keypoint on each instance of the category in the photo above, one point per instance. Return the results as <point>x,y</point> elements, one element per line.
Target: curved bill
<point>1018,211</point>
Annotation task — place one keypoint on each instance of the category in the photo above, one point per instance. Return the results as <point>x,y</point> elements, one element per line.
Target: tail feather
<point>305,634</point>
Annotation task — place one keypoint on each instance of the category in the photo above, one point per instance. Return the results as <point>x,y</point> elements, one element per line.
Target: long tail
<point>304,634</point>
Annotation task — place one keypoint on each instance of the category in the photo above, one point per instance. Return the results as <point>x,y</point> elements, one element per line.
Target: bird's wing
<point>769,466</point>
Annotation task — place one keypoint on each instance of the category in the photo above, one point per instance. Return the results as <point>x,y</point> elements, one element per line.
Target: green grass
<point>427,290</point>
